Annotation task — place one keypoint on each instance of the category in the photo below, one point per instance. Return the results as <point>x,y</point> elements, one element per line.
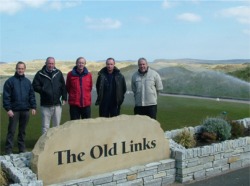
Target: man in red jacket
<point>79,86</point>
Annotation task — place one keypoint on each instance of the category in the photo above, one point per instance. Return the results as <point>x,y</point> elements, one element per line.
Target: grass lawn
<point>173,113</point>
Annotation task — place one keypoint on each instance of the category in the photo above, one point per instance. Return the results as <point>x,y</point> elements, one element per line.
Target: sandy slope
<point>8,69</point>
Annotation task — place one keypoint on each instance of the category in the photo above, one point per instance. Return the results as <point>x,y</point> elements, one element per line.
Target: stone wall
<point>186,164</point>
<point>155,173</point>
<point>202,162</point>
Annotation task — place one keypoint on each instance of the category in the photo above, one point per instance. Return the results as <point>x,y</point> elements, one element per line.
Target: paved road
<point>240,177</point>
<point>215,99</point>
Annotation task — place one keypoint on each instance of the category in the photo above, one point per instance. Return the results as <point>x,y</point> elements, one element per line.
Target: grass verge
<point>173,113</point>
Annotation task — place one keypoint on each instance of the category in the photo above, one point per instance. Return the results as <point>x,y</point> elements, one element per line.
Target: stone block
<point>132,177</point>
<point>190,169</point>
<point>225,168</point>
<point>153,182</point>
<point>220,162</point>
<point>146,173</point>
<point>213,171</point>
<point>119,175</point>
<point>168,180</point>
<point>199,174</point>
<point>166,164</point>
<point>137,182</point>
<point>148,178</point>
<point>160,174</point>
<point>236,165</point>
<point>233,158</point>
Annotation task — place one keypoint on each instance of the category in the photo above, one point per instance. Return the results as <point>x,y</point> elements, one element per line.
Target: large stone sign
<point>83,148</point>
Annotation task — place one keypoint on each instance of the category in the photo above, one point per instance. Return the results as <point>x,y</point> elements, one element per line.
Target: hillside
<point>202,79</point>
<point>8,69</point>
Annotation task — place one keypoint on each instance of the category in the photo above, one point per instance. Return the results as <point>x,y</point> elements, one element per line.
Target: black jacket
<point>119,86</point>
<point>18,94</point>
<point>50,86</point>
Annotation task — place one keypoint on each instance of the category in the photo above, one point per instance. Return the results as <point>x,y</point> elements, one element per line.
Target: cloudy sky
<point>125,30</point>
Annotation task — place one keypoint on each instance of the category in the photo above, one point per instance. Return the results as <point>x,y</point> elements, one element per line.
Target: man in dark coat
<point>50,84</point>
<point>110,87</point>
<point>18,99</point>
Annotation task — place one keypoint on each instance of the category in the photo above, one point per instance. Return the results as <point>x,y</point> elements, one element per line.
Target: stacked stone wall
<point>186,165</point>
<point>206,161</point>
<point>155,173</point>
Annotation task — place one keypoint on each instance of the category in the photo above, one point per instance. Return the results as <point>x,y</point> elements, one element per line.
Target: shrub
<point>218,126</point>
<point>185,138</point>
<point>237,129</point>
<point>209,136</point>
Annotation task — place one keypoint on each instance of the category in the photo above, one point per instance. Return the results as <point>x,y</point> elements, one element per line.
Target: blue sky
<point>125,30</point>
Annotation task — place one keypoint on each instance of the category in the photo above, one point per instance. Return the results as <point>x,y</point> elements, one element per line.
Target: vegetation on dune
<point>200,82</point>
<point>243,74</point>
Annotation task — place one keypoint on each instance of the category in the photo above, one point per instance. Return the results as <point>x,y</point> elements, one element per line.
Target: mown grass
<point>173,113</point>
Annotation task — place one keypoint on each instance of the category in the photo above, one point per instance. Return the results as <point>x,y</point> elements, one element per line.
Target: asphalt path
<point>239,177</point>
<point>207,98</point>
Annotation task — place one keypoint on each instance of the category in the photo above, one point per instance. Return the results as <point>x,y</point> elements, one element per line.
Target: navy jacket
<point>18,94</point>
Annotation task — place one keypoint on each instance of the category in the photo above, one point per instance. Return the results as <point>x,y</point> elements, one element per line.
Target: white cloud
<point>240,13</point>
<point>13,6</point>
<point>166,4</point>
<point>34,3</point>
<point>246,31</point>
<point>10,6</point>
<point>190,17</point>
<point>104,23</point>
<point>59,5</point>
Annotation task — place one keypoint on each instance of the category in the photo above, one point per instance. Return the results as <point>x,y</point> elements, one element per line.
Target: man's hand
<point>10,113</point>
<point>33,111</point>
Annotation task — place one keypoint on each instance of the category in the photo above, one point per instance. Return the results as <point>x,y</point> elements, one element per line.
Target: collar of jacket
<point>76,73</point>
<point>45,71</point>
<point>19,76</point>
<point>143,73</point>
<point>105,71</point>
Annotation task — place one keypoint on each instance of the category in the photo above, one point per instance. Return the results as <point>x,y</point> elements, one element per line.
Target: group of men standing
<point>19,96</point>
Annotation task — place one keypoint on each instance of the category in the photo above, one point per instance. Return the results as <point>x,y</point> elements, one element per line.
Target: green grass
<point>173,113</point>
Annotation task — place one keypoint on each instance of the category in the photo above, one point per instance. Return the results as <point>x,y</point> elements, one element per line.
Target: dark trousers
<point>79,112</point>
<point>21,117</point>
<point>109,110</point>
<point>150,111</point>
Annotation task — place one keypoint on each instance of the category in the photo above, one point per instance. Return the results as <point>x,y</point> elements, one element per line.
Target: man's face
<point>143,65</point>
<point>20,69</point>
<point>50,64</point>
<point>110,64</point>
<point>80,64</point>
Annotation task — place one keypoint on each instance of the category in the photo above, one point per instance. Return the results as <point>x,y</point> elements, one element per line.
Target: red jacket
<point>79,88</point>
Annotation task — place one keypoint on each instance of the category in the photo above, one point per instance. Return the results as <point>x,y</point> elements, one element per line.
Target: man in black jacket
<point>18,99</point>
<point>110,87</point>
<point>50,84</point>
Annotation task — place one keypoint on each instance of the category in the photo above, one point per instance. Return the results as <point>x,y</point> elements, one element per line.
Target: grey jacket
<point>146,87</point>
